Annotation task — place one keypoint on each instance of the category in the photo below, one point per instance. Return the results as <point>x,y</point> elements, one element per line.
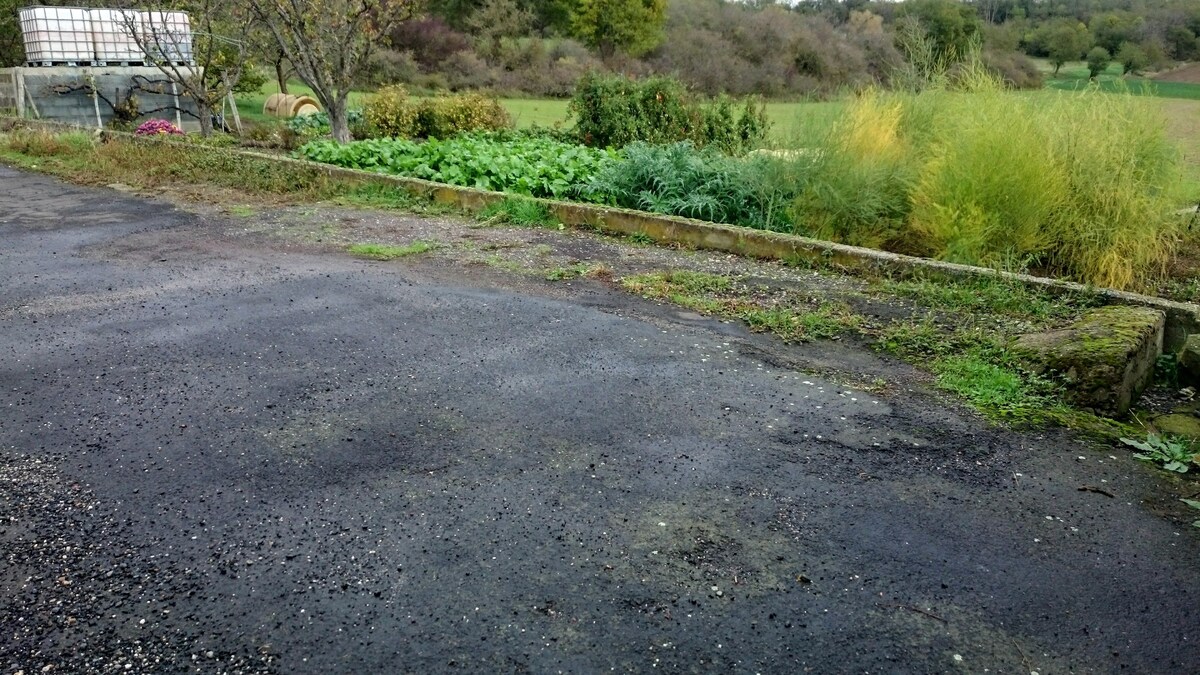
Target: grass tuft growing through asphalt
<point>519,211</point>
<point>791,318</point>
<point>386,252</point>
<point>992,296</point>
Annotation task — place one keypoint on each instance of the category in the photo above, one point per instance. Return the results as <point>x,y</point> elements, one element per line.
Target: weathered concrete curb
<point>1182,319</point>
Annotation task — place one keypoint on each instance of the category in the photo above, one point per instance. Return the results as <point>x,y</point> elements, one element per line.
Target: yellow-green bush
<point>858,190</point>
<point>1074,184</point>
<point>445,116</point>
<point>390,113</point>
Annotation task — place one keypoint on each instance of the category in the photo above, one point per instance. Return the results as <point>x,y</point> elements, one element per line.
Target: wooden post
<point>96,105</point>
<point>175,94</point>
<point>233,109</point>
<point>18,83</point>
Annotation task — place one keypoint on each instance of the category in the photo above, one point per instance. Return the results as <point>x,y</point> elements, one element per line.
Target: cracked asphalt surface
<point>221,454</point>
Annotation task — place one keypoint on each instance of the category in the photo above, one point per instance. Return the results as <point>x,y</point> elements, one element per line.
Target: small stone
<point>1189,362</point>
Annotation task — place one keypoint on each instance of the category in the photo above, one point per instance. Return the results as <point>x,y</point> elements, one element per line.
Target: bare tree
<point>203,64</point>
<point>328,42</point>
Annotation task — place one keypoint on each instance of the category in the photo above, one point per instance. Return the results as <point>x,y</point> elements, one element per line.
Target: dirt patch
<point>1189,74</point>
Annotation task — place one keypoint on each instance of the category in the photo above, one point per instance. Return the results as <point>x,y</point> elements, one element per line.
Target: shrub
<point>1098,59</point>
<point>466,70</point>
<point>542,67</point>
<point>743,48</point>
<point>388,66</point>
<point>734,132</point>
<point>390,114</point>
<point>157,128</point>
<point>614,111</point>
<point>430,41</point>
<point>1017,70</point>
<point>446,116</point>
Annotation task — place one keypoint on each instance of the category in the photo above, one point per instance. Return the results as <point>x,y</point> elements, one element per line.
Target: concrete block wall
<point>8,89</point>
<point>61,94</point>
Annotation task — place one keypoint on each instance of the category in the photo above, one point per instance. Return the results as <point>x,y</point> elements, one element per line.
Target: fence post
<point>18,83</point>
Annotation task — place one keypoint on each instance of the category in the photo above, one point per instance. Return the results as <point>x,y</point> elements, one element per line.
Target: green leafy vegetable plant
<point>1195,505</point>
<point>1171,454</point>
<point>533,166</point>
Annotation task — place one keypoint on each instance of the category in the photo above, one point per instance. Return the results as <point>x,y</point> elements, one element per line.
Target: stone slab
<point>1105,359</point>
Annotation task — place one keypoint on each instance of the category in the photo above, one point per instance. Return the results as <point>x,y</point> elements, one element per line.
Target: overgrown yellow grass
<point>1077,184</point>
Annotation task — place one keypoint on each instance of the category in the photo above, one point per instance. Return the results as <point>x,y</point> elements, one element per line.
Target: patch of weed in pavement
<point>378,196</point>
<point>826,322</point>
<point>994,297</point>
<point>1170,453</point>
<point>966,351</point>
<point>593,270</point>
<point>519,211</point>
<point>386,252</point>
<point>792,318</point>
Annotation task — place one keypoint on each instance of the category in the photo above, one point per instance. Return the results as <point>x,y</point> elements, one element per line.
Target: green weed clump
<point>792,319</point>
<point>388,252</point>
<point>519,211</point>
<point>38,143</point>
<point>1077,185</point>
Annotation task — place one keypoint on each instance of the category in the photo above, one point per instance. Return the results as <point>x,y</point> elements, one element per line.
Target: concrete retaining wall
<point>62,94</point>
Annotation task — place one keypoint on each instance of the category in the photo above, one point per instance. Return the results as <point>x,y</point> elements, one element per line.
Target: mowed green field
<point>787,119</point>
<point>1074,76</point>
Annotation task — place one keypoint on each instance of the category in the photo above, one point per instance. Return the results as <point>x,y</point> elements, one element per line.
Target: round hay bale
<point>299,104</point>
<point>274,105</point>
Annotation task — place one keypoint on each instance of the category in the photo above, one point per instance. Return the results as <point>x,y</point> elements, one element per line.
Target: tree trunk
<point>338,124</point>
<point>205,113</point>
<point>280,76</point>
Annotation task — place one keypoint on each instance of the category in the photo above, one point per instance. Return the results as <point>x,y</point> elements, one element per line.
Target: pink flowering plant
<point>157,128</point>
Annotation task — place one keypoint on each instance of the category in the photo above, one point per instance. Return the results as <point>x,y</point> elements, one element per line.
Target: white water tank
<point>112,36</point>
<point>57,34</point>
<point>167,36</point>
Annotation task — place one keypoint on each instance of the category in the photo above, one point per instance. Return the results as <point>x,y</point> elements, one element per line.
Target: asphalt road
<point>218,453</point>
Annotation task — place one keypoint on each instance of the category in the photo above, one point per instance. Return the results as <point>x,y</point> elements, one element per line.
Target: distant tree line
<point>810,49</point>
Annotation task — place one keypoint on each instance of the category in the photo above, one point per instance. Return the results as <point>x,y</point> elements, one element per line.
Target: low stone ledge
<point>1106,358</point>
